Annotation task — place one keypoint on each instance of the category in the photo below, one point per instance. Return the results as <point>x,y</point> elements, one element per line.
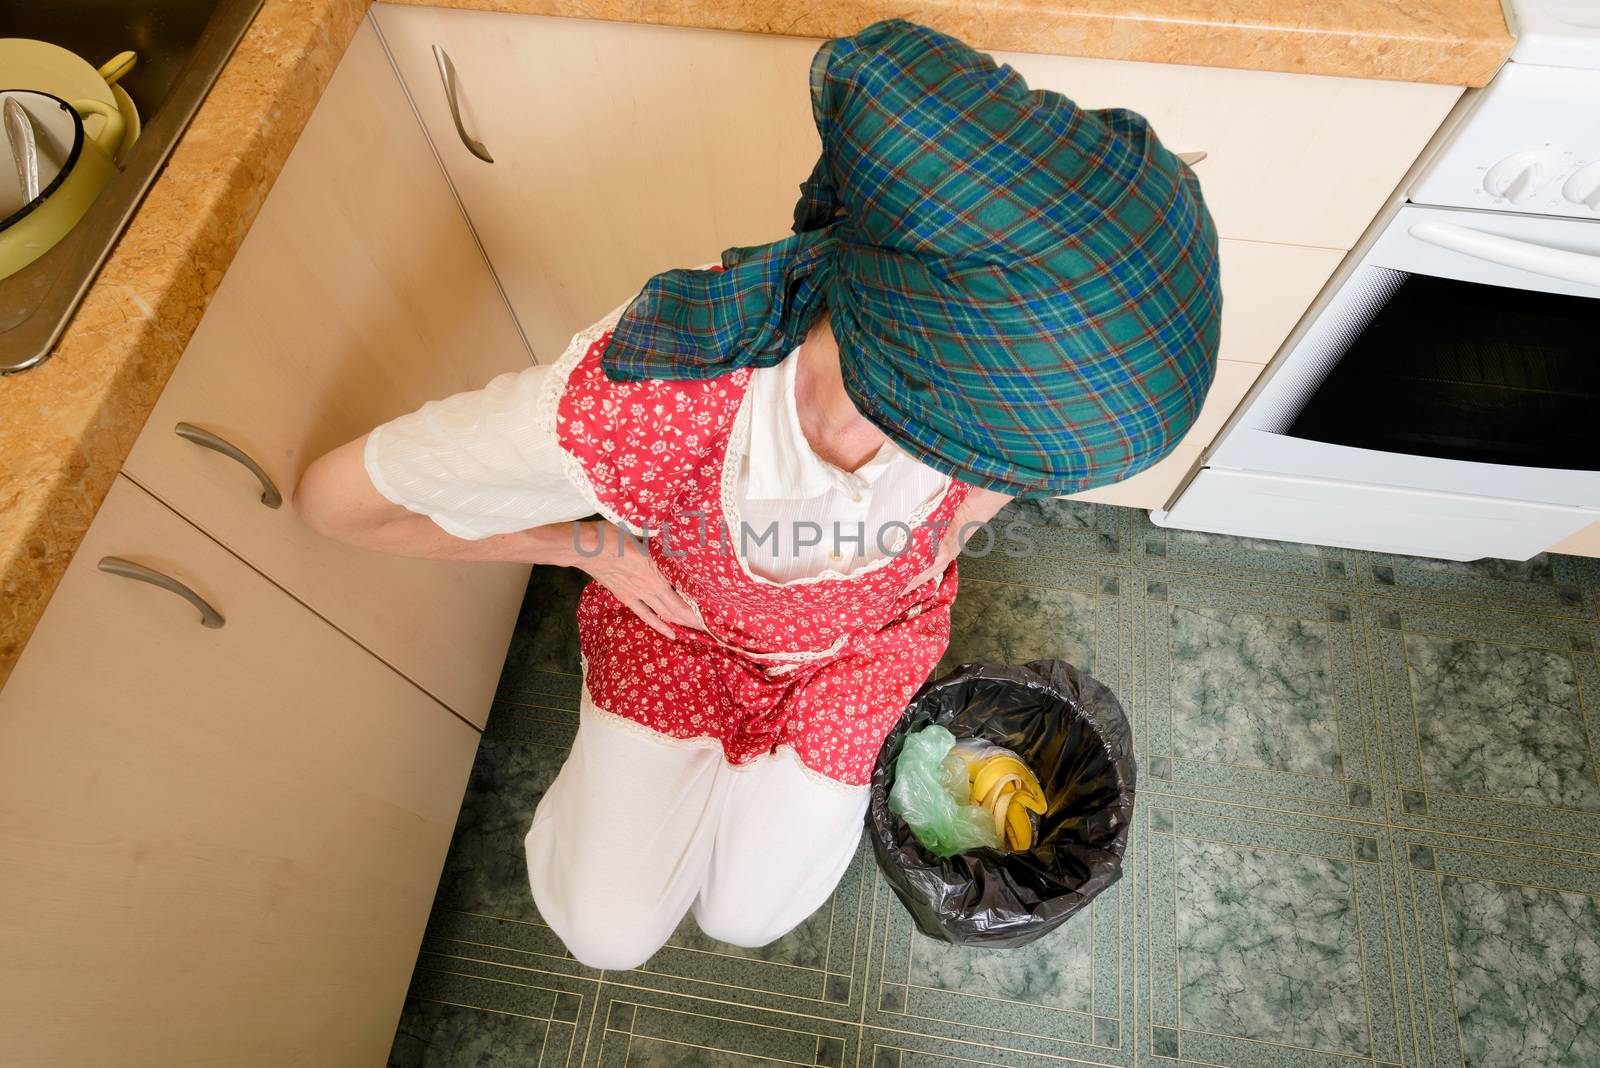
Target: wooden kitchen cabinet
<point>358,295</point>
<point>1296,159</point>
<point>1265,290</point>
<point>620,152</point>
<point>646,164</point>
<point>217,846</point>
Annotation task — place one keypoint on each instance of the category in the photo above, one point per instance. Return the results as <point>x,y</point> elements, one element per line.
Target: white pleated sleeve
<point>479,463</point>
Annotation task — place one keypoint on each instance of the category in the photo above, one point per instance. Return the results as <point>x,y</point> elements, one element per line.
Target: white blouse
<point>487,462</point>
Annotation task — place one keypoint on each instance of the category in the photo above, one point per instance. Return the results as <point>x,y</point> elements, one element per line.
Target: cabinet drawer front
<point>357,296</point>
<point>220,845</point>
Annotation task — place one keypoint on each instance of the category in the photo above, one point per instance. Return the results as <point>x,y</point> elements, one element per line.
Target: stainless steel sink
<point>182,46</point>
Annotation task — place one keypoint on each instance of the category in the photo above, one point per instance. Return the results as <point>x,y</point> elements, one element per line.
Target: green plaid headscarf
<point>1024,292</point>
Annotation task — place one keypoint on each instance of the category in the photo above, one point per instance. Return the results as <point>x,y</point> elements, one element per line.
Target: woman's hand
<point>623,566</point>
<point>980,506</point>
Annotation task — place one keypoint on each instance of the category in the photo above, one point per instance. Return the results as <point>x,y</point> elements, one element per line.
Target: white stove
<point>1442,397</point>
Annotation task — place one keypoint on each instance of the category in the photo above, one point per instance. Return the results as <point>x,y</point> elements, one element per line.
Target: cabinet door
<point>1299,159</point>
<point>620,149</point>
<point>217,846</point>
<point>358,295</point>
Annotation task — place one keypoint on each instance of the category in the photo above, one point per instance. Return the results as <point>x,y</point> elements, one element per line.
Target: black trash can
<point>1074,735</point>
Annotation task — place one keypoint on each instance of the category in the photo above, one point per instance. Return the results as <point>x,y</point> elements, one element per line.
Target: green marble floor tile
<point>882,1048</point>
<point>1069,994</point>
<point>537,688</point>
<point>546,635</point>
<point>486,871</point>
<point>1492,719</point>
<point>652,1029</point>
<point>1368,833</point>
<point>524,944</point>
<point>1059,528</point>
<point>1266,938</point>
<point>1549,584</point>
<point>432,1034</point>
<point>465,1012</point>
<point>1508,940</point>
<point>1255,693</point>
<point>814,969</point>
<point>1016,611</point>
<point>1289,563</point>
<point>1588,569</point>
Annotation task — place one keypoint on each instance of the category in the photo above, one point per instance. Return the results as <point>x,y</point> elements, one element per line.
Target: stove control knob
<point>1522,174</point>
<point>1584,186</point>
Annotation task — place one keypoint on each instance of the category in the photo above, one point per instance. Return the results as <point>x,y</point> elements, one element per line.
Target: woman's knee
<point>606,916</point>
<point>751,923</point>
<point>601,934</point>
<point>605,920</point>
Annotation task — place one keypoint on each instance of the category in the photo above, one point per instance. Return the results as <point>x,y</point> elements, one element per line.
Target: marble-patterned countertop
<point>1450,42</point>
<point>67,425</point>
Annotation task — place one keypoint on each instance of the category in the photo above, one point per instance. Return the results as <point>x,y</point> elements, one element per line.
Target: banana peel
<point>1004,786</point>
<point>999,804</point>
<point>1018,834</point>
<point>988,771</point>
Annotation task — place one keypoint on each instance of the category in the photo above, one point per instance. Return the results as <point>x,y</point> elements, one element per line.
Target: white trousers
<point>638,829</point>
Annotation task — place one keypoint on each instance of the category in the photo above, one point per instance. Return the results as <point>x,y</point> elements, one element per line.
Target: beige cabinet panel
<point>1299,159</point>
<point>1151,487</point>
<point>1265,290</point>
<point>357,296</point>
<point>1585,542</point>
<point>219,847</point>
<point>1231,382</point>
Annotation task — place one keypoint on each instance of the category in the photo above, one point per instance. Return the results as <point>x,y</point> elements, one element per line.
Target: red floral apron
<point>823,665</point>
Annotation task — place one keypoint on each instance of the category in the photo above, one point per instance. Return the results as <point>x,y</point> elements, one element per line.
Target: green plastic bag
<point>933,795</point>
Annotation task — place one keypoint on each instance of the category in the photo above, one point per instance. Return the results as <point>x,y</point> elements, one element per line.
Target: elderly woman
<point>989,293</point>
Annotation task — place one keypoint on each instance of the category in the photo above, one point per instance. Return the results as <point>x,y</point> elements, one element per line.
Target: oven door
<point>1460,356</point>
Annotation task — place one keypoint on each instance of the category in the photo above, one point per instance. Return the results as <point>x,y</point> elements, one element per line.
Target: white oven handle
<point>1509,252</point>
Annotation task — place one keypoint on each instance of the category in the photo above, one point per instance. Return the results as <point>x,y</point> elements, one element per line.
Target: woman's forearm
<point>337,499</point>
<point>417,535</point>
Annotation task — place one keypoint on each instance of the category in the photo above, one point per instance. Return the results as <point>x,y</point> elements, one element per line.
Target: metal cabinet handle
<point>447,74</point>
<point>1191,158</point>
<point>207,440</point>
<point>116,565</point>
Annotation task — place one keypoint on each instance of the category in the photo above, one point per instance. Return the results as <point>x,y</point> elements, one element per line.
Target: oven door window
<point>1465,371</point>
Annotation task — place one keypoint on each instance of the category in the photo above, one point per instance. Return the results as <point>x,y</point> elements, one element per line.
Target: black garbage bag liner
<point>1074,735</point>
